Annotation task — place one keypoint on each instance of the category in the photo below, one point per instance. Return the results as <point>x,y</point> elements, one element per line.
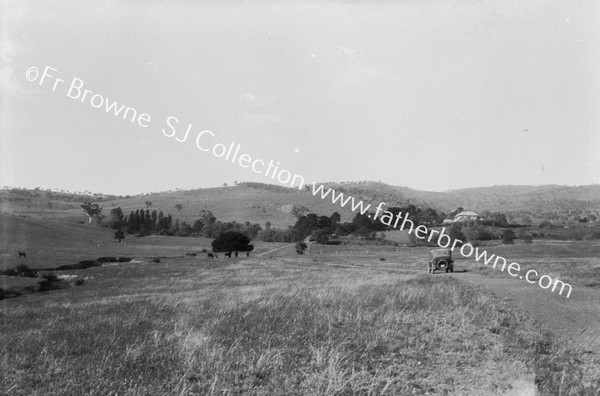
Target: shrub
<point>107,259</point>
<point>80,265</point>
<point>49,276</point>
<point>300,247</point>
<point>24,270</point>
<point>508,237</point>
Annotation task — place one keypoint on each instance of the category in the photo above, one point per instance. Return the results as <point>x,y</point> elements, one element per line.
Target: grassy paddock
<point>574,262</point>
<point>189,326</point>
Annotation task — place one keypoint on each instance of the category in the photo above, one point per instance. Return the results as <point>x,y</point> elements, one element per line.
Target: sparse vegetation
<point>300,330</point>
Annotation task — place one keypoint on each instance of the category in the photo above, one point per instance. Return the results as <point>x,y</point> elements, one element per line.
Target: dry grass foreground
<point>275,326</point>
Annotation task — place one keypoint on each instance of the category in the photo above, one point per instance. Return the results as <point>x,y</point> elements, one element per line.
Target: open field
<point>339,320</point>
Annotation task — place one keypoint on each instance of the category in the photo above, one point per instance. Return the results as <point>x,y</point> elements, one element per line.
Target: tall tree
<point>116,215</point>
<point>92,211</point>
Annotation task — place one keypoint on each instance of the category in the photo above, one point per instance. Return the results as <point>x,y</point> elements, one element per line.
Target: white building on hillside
<point>465,216</point>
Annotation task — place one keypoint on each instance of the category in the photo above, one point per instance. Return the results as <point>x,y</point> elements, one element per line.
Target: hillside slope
<point>259,203</point>
<point>496,198</point>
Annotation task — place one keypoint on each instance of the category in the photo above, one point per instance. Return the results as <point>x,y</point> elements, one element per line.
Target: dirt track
<point>576,318</point>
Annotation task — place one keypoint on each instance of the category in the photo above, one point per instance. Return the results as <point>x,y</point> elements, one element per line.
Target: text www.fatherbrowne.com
<point>443,240</point>
<point>205,142</point>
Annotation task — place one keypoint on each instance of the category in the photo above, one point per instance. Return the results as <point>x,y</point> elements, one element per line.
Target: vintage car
<point>440,259</point>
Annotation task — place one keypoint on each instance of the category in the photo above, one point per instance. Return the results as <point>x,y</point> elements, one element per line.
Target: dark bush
<point>109,259</point>
<point>301,247</point>
<point>508,237</point>
<point>232,241</point>
<point>80,265</point>
<point>56,284</point>
<point>24,270</point>
<point>49,276</point>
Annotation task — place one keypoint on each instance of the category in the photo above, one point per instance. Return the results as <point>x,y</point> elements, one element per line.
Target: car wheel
<point>442,264</point>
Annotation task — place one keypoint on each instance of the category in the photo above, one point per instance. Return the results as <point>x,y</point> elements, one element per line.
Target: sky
<point>430,95</point>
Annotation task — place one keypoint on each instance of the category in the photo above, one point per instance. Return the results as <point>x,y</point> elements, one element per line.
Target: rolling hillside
<point>497,198</point>
<point>259,203</point>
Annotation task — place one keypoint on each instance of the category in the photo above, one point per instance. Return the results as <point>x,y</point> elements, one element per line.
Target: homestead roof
<point>467,213</point>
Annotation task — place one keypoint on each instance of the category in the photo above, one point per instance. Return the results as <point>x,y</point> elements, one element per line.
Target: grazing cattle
<point>22,254</point>
<point>209,255</point>
<point>236,253</point>
<point>247,254</point>
<point>216,256</point>
<point>228,254</point>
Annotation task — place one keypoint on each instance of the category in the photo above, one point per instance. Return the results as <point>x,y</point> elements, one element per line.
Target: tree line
<point>146,222</point>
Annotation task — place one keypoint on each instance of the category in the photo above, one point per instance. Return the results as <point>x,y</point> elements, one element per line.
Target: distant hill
<point>496,198</point>
<point>259,203</point>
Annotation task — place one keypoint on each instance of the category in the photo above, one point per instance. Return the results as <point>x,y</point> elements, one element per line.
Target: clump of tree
<point>232,241</point>
<point>299,211</point>
<point>320,228</point>
<point>275,235</point>
<point>143,221</point>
